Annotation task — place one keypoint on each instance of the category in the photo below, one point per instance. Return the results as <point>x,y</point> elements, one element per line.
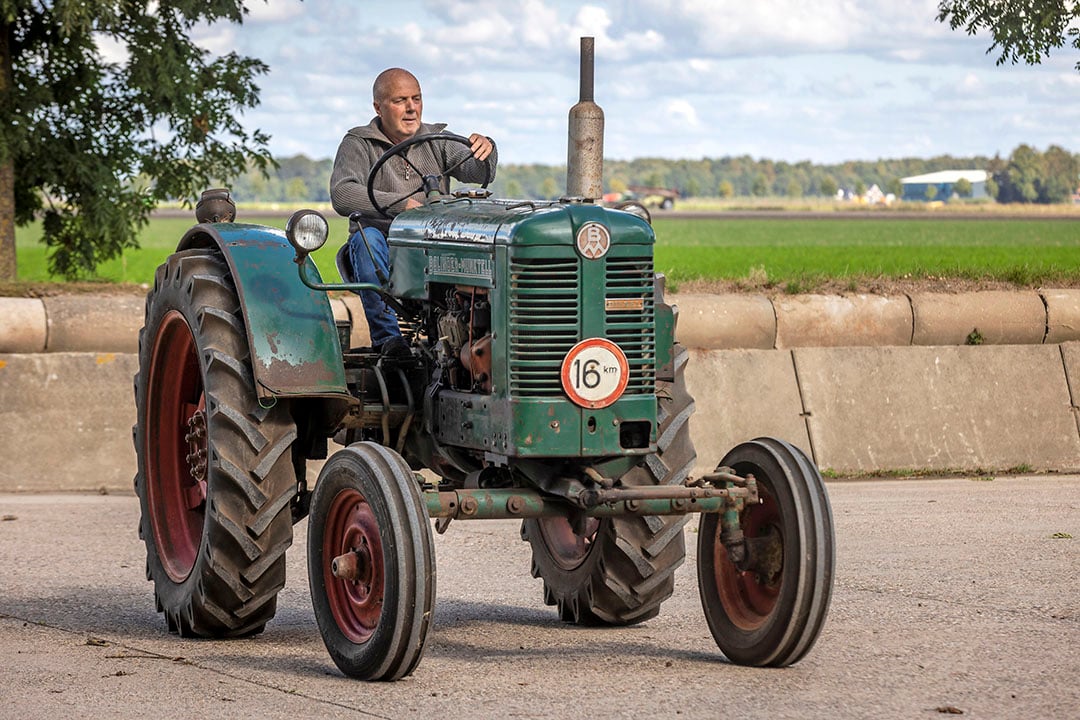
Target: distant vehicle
<point>658,197</point>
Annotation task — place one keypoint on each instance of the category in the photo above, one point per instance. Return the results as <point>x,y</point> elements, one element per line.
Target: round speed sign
<point>595,373</point>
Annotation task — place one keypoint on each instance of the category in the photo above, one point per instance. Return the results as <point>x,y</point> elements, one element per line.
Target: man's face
<point>400,108</point>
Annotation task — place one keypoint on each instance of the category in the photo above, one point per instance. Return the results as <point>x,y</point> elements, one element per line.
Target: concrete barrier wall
<point>66,414</point>
<point>110,323</point>
<point>65,418</point>
<point>868,410</point>
<point>65,421</point>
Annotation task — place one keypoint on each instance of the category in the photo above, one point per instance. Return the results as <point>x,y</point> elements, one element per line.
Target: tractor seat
<point>344,264</point>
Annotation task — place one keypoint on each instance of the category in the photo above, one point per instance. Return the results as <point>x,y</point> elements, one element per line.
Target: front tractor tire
<point>215,476</point>
<point>619,570</point>
<point>371,563</point>
<point>768,610</point>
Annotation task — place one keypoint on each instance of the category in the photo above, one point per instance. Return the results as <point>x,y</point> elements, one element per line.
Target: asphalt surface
<point>951,596</point>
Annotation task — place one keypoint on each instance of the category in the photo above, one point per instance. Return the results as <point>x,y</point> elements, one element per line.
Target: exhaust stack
<point>585,145</point>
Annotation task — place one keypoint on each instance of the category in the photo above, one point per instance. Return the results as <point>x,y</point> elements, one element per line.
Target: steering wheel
<point>428,182</point>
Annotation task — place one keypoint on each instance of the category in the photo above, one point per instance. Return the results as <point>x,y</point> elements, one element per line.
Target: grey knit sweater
<point>365,144</point>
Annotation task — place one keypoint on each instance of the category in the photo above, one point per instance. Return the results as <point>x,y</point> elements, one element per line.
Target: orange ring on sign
<point>585,363</point>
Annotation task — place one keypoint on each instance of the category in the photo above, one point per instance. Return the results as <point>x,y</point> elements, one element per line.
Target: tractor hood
<point>496,222</point>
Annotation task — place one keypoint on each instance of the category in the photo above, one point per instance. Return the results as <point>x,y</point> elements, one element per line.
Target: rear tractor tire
<point>620,570</point>
<point>215,476</point>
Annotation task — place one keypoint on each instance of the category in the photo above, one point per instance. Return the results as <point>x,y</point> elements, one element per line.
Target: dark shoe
<point>396,348</point>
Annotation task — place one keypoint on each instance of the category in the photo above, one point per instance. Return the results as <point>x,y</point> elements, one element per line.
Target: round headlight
<point>307,231</point>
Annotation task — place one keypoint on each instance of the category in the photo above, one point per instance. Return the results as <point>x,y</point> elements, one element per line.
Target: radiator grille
<point>543,323</point>
<point>633,331</point>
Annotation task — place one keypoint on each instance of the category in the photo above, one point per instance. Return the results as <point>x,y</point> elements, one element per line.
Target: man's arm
<point>348,180</point>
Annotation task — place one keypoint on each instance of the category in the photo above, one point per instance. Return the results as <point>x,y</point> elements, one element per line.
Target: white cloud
<point>970,84</point>
<point>817,79</point>
<point>683,115</point>
<point>219,39</point>
<point>272,11</point>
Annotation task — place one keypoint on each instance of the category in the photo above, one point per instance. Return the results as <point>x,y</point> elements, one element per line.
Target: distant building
<point>945,180</point>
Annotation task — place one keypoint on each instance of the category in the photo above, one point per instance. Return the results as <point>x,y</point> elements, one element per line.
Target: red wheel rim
<point>750,596</point>
<point>351,527</point>
<point>568,549</point>
<point>175,446</point>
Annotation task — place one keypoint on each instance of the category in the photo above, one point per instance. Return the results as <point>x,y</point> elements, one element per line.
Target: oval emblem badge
<point>593,240</point>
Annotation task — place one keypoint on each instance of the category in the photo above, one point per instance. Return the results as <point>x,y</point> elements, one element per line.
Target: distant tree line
<point>1029,176</point>
<point>1026,176</point>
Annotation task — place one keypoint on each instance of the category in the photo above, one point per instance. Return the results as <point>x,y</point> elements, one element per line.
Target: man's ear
<point>376,106</point>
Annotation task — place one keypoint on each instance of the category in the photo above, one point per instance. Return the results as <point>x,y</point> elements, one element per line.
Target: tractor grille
<point>545,323</point>
<point>633,331</point>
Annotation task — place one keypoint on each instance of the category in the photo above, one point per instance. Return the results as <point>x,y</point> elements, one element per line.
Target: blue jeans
<point>381,318</point>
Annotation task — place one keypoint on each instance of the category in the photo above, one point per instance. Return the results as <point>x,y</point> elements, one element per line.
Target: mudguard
<point>295,351</point>
<point>667,319</point>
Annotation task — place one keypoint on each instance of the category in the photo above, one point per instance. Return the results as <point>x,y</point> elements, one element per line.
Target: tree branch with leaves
<point>1026,30</point>
<point>91,145</point>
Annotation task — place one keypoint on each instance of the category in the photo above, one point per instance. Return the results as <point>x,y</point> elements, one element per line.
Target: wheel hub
<point>765,555</point>
<point>353,565</point>
<point>354,572</point>
<point>749,590</point>
<point>196,458</point>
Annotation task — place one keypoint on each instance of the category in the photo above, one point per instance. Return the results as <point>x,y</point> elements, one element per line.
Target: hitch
<point>503,503</point>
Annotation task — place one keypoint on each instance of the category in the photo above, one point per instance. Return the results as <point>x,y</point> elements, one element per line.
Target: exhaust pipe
<point>585,145</point>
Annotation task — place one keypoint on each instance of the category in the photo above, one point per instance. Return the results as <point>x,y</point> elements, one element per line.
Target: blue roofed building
<point>945,182</point>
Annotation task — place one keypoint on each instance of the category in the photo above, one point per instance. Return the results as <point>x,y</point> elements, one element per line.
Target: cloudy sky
<point>819,80</point>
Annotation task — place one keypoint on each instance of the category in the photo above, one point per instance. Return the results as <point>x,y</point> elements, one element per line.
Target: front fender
<point>290,327</point>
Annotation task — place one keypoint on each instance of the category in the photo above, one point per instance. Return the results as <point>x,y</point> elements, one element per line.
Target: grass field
<point>789,253</point>
<point>800,254</point>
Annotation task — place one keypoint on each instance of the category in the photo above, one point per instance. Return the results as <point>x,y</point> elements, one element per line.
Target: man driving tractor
<point>399,186</point>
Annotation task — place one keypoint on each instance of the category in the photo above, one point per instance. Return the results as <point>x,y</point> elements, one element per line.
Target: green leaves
<point>1031,176</point>
<point>1025,31</point>
<point>96,144</point>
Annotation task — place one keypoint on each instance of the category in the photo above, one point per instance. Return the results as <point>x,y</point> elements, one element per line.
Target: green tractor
<point>544,384</point>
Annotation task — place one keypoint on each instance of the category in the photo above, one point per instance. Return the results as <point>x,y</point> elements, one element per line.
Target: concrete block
<point>94,323</point>
<point>337,306</point>
<point>740,395</point>
<point>842,320</point>
<point>360,336</point>
<point>65,421</point>
<point>1002,318</point>
<point>938,408</point>
<point>1062,315</point>
<point>717,322</point>
<point>23,325</point>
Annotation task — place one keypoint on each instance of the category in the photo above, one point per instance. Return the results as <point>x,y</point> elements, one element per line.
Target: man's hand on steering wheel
<point>480,148</point>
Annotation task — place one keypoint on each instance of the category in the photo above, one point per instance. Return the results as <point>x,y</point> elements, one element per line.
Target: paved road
<point>949,594</point>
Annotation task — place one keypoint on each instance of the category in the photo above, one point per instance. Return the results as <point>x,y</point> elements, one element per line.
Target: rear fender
<point>667,318</point>
<point>295,351</point>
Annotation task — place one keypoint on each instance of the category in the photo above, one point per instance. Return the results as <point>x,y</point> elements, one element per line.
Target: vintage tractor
<point>544,384</point>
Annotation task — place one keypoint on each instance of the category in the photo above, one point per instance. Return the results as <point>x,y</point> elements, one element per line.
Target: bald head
<point>398,103</point>
<point>387,79</point>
